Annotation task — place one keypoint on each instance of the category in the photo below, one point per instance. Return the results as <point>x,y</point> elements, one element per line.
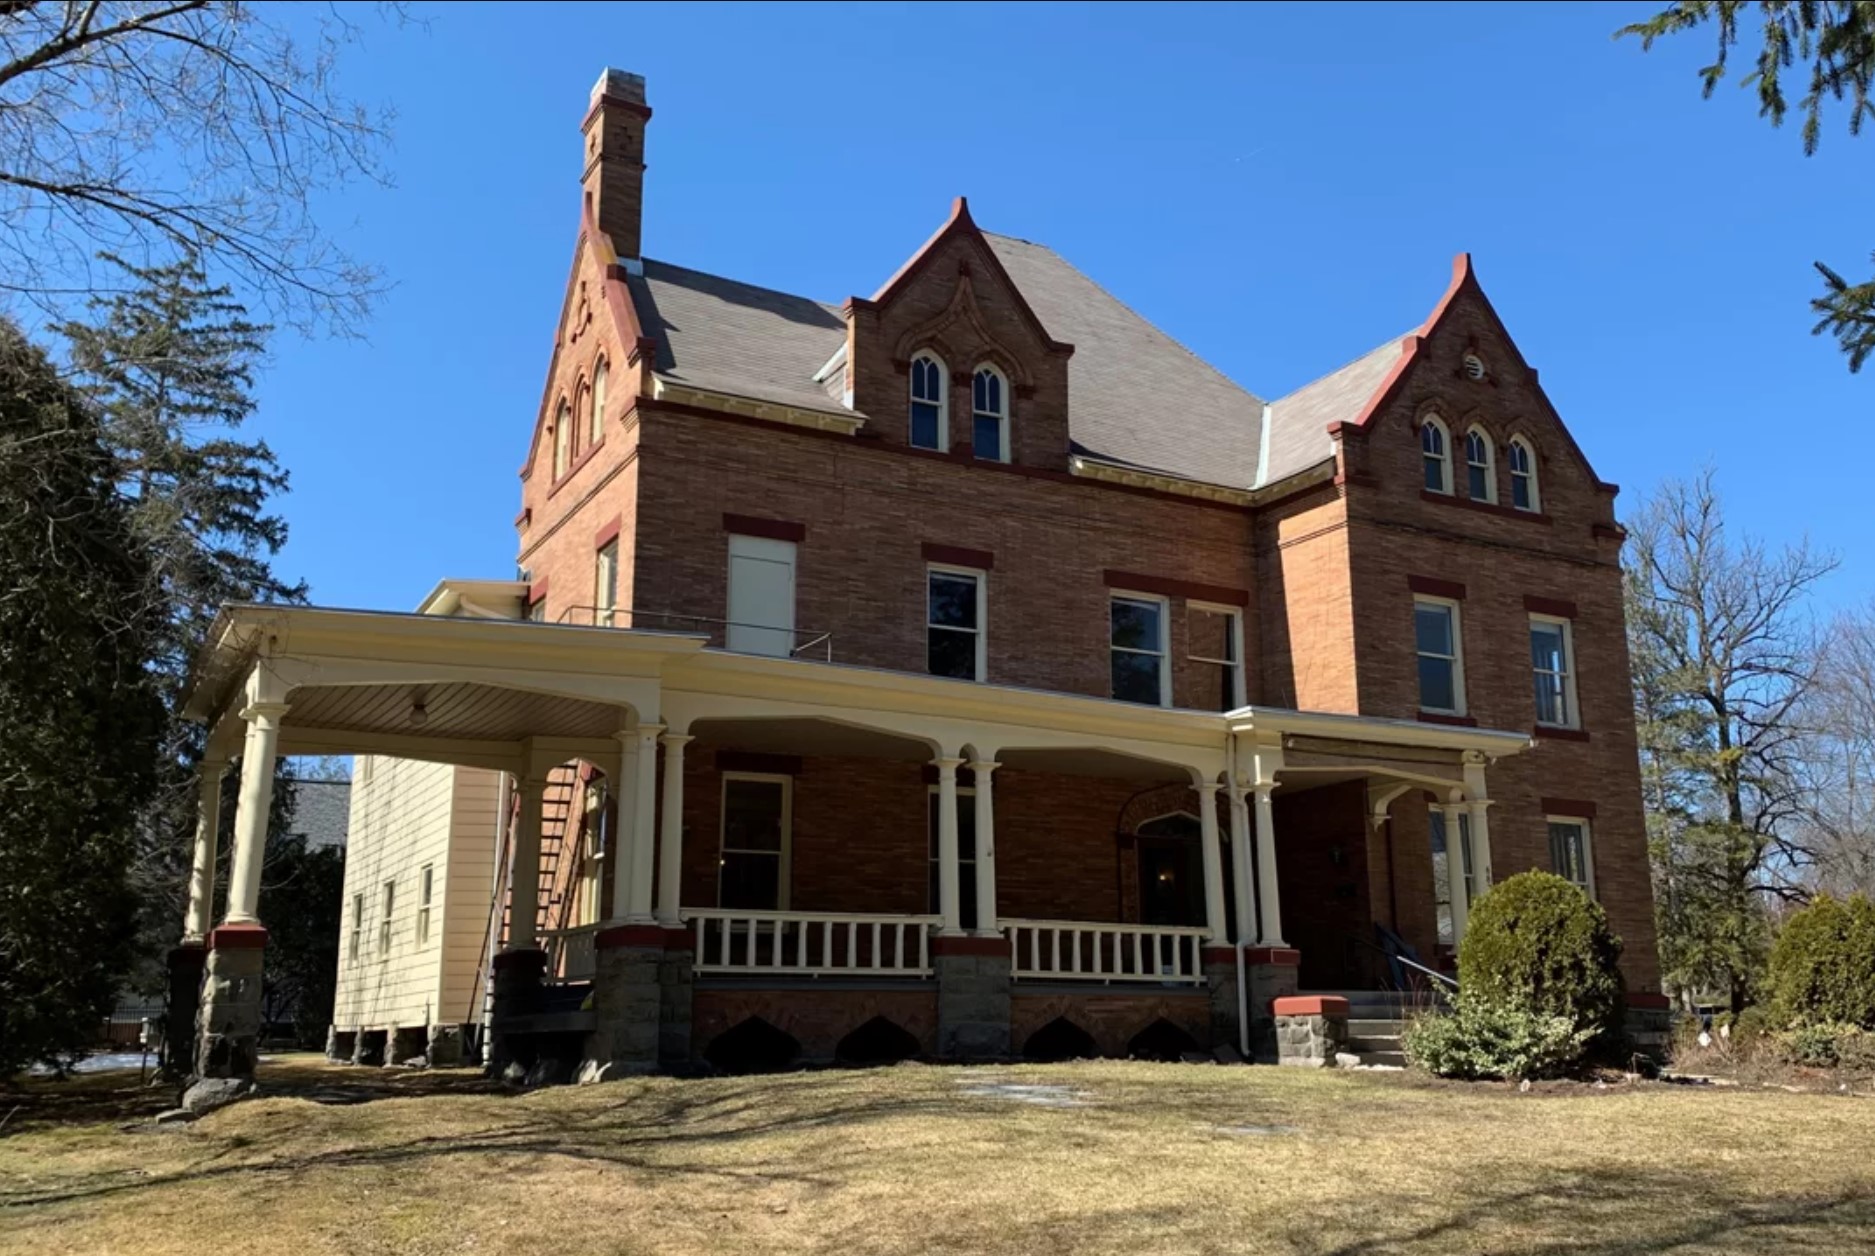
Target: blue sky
<point>1280,187</point>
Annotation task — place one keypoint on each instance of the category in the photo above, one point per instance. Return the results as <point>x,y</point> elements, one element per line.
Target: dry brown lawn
<point>1118,1157</point>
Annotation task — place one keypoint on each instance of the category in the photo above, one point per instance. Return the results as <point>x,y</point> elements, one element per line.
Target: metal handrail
<point>594,615</point>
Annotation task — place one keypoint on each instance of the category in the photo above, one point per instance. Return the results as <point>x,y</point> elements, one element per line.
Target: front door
<point>1171,872</point>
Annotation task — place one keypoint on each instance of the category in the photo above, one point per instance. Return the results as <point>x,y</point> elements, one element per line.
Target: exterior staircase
<point>1377,1019</point>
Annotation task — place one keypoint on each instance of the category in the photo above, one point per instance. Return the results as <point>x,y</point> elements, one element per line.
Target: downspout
<point>1243,980</point>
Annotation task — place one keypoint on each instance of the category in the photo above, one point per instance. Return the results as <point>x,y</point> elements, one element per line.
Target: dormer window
<point>598,402</point>
<point>1480,473</point>
<point>989,415</point>
<point>1523,488</point>
<point>562,439</point>
<point>929,390</point>
<point>1435,448</point>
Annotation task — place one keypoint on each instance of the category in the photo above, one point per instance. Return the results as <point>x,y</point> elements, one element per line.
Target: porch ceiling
<point>482,712</point>
<point>809,737</point>
<point>1106,764</point>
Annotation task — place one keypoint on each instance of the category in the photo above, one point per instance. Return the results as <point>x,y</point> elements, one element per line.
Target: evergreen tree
<point>80,719</point>
<point>169,362</point>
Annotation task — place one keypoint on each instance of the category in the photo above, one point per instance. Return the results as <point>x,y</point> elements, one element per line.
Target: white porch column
<point>624,825</point>
<point>987,926</point>
<point>1455,869</point>
<point>201,913</point>
<point>644,825</point>
<point>948,905</point>
<point>1241,877</point>
<point>671,834</point>
<point>1269,903</point>
<point>524,881</point>
<point>1481,842</point>
<point>1213,862</point>
<point>252,809</point>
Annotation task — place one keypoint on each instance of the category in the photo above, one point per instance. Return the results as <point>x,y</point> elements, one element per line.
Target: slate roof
<point>1137,397</point>
<point>322,812</point>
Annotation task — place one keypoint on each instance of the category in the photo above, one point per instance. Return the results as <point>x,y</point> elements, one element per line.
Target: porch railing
<point>811,944</point>
<point>571,955</point>
<point>723,634</point>
<point>1085,950</point>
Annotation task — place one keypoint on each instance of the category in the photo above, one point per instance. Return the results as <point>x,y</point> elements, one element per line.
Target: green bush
<point>1486,1039</point>
<point>1823,965</point>
<point>1828,1046</point>
<point>1749,1029</point>
<point>1537,943</point>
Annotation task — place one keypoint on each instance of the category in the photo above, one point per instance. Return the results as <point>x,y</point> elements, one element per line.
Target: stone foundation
<point>444,1049</point>
<point>973,998</point>
<point>229,1023</point>
<point>1270,974</point>
<point>676,991</point>
<point>627,1004</point>
<point>517,982</point>
<point>1311,1030</point>
<point>1220,974</point>
<point>188,964</point>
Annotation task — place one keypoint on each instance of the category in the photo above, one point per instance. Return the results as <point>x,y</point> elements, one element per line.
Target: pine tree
<point>169,363</point>
<point>80,720</point>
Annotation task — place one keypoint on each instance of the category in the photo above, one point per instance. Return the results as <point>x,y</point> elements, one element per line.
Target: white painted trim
<point>1236,632</point>
<point>791,952</point>
<point>1005,431</point>
<point>983,613</point>
<point>1489,464</point>
<point>1458,652</point>
<point>1165,639</point>
<point>1446,460</point>
<point>1536,487</point>
<point>1588,847</point>
<point>663,389</point>
<point>1571,712</point>
<point>943,400</point>
<point>1087,950</point>
<point>785,866</point>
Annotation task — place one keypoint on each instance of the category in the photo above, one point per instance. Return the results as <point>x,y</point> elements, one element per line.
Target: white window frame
<point>1458,863</point>
<point>1488,466</point>
<point>1572,714</point>
<point>785,867</point>
<point>943,400</point>
<point>1164,652</point>
<point>358,926</point>
<point>387,895</point>
<point>983,613</point>
<point>562,439</point>
<point>1435,423</point>
<point>1536,493</point>
<point>1235,619</point>
<point>1003,453</point>
<point>426,893</point>
<point>601,374</point>
<point>1588,851</point>
<point>1458,652</point>
<point>605,601</point>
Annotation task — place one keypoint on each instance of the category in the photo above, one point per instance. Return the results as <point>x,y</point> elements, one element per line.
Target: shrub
<point>1828,1046</point>
<point>1537,943</point>
<point>1823,965</point>
<point>1483,1038</point>
<point>1749,1029</point>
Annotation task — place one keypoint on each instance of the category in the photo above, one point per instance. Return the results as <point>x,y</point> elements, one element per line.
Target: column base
<point>1220,971</point>
<point>187,965</point>
<point>517,987</point>
<point>677,990</point>
<point>1269,974</point>
<point>973,997</point>
<point>228,1025</point>
<point>1310,1031</point>
<point>627,1003</point>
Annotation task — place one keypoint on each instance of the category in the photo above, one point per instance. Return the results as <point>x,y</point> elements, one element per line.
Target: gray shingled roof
<point>1298,424</point>
<point>1136,396</point>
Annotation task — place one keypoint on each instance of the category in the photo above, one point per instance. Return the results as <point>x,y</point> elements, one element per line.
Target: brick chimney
<point>614,178</point>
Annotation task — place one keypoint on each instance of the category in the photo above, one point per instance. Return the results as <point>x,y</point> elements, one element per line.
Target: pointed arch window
<point>1523,486</point>
<point>598,403</point>
<point>1480,471</point>
<point>1435,449</point>
<point>989,414</point>
<point>930,425</point>
<point>562,439</point>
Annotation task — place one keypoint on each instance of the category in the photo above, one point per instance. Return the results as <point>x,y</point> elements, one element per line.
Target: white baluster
<point>780,949</point>
<point>852,945</point>
<point>1054,964</point>
<point>898,945</point>
<point>878,955</point>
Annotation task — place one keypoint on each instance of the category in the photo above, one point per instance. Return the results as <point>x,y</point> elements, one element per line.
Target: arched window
<point>1435,448</point>
<point>1523,490</point>
<point>929,403</point>
<point>989,414</point>
<point>1480,472</point>
<point>562,439</point>
<point>598,402</point>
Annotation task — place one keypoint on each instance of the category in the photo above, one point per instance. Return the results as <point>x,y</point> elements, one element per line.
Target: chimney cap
<point>620,85</point>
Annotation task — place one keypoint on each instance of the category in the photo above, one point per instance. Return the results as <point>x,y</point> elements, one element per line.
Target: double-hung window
<point>1480,471</point>
<point>1443,868</point>
<point>1523,489</point>
<point>1137,625</point>
<point>989,415</point>
<point>358,925</point>
<point>757,822</point>
<point>1552,664</point>
<point>1570,853</point>
<point>1435,451</point>
<point>426,892</point>
<point>384,920</point>
<point>1441,656</point>
<point>930,390</point>
<point>1214,648</point>
<point>605,585</point>
<point>955,618</point>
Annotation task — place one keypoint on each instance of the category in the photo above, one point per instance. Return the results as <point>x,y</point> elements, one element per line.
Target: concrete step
<point>1376,1026</point>
<point>1396,1059</point>
<point>1361,1044</point>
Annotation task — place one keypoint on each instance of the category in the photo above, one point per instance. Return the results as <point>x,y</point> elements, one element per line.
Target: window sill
<point>585,456</point>
<point>1489,508</point>
<point>1556,732</point>
<point>1440,717</point>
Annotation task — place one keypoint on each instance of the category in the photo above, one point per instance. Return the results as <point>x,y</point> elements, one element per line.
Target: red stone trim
<point>629,935</point>
<point>616,102</point>
<point>1219,956</point>
<point>1279,956</point>
<point>237,938</point>
<point>537,591</point>
<point>1456,721</point>
<point>1433,587</point>
<point>1568,807</point>
<point>192,954</point>
<point>525,517</point>
<point>574,467</point>
<point>1191,590</point>
<point>1608,531</point>
<point>608,534</point>
<point>1549,732</point>
<point>682,938</point>
<point>753,761</point>
<point>1643,999</point>
<point>1329,1005</point>
<point>1556,606</point>
<point>520,957</point>
<point>958,556</point>
<point>969,946</point>
<point>772,529</point>
<point>1489,508</point>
